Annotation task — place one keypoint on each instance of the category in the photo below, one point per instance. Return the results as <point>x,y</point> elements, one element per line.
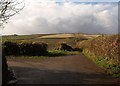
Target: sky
<point>41,17</point>
<point>89,0</point>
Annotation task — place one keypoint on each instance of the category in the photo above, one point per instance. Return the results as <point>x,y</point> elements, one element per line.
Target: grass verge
<point>51,53</point>
<point>112,69</point>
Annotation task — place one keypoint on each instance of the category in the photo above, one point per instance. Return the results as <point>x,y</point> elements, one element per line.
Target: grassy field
<point>50,39</point>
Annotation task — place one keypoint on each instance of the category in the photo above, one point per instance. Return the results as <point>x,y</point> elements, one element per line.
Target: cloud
<point>50,17</point>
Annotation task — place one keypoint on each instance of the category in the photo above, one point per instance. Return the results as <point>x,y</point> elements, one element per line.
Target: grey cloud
<point>66,18</point>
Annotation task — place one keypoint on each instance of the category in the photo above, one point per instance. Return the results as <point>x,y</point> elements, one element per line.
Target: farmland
<point>85,50</point>
<point>50,39</point>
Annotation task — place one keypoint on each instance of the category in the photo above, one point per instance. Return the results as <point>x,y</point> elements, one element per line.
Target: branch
<point>9,8</point>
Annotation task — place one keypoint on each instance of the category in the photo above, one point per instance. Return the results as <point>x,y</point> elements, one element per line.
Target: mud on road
<point>60,70</point>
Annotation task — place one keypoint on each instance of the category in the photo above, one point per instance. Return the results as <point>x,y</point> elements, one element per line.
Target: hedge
<point>25,48</point>
<point>103,50</point>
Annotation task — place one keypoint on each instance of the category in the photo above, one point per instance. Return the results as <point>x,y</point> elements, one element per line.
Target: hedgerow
<point>104,50</point>
<point>24,48</point>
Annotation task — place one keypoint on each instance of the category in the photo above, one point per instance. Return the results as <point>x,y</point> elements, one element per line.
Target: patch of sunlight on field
<point>91,36</point>
<point>59,36</point>
<point>69,36</point>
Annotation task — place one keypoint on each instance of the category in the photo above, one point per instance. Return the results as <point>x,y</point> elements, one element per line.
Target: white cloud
<point>49,17</point>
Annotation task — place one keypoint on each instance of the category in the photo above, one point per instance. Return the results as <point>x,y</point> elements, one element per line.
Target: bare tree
<point>8,8</point>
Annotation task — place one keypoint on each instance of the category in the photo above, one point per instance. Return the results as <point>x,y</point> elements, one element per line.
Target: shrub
<point>39,48</point>
<point>63,46</point>
<point>11,48</point>
<point>25,48</point>
<point>78,49</point>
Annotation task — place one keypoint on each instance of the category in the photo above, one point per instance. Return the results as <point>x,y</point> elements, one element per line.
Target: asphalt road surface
<point>75,69</point>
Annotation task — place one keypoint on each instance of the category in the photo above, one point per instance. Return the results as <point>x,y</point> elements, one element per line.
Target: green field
<point>50,39</point>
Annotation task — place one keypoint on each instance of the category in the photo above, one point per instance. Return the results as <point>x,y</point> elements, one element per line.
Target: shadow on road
<point>28,75</point>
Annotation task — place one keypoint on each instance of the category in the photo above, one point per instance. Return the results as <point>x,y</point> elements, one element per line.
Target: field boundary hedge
<point>105,51</point>
<point>24,48</point>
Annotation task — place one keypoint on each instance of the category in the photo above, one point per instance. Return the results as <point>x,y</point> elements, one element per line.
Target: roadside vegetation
<point>104,50</point>
<point>43,44</point>
<point>36,49</point>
